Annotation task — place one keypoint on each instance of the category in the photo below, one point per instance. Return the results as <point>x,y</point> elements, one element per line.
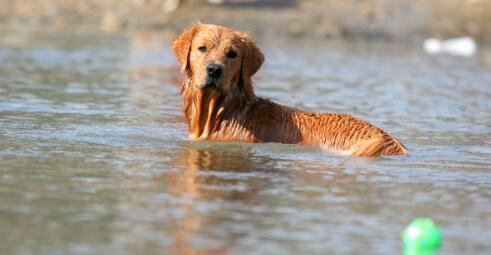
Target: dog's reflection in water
<point>210,175</point>
<point>200,182</point>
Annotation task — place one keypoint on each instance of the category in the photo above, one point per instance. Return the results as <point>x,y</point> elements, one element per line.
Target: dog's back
<point>348,135</point>
<point>341,133</point>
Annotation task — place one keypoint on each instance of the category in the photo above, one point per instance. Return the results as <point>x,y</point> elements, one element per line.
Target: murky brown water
<point>95,159</point>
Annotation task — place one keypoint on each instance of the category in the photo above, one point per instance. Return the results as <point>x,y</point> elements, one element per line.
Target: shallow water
<point>95,159</point>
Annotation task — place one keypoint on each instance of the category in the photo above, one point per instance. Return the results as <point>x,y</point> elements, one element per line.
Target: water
<point>95,159</point>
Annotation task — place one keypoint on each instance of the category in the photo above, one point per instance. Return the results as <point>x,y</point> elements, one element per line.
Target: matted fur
<point>232,112</point>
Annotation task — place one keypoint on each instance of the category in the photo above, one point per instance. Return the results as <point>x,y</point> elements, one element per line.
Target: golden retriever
<point>220,103</point>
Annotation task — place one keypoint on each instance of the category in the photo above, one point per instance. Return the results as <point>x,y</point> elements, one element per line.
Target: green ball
<point>422,236</point>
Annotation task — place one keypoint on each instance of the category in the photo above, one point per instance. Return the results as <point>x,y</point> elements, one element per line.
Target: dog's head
<point>215,57</point>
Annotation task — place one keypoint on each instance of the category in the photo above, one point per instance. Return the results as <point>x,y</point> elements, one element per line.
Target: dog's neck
<point>206,109</point>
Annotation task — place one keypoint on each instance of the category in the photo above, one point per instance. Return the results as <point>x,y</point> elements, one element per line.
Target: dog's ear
<point>252,60</point>
<point>181,46</point>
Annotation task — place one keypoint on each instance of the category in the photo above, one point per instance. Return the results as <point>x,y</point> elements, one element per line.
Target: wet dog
<point>220,103</point>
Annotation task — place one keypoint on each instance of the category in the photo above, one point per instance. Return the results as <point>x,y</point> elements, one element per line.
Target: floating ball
<point>420,237</point>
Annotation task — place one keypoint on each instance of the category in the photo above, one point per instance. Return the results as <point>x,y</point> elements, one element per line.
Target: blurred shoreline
<point>408,21</point>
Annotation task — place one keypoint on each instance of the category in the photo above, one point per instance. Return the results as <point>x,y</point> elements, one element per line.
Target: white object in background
<point>462,46</point>
<point>216,1</point>
<point>170,5</point>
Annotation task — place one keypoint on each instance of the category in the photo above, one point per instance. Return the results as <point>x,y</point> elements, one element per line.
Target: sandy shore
<point>394,20</point>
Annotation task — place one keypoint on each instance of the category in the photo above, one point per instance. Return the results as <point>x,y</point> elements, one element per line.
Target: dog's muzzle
<point>214,73</point>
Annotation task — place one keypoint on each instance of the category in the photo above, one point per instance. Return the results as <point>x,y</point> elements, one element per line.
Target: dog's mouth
<point>211,84</point>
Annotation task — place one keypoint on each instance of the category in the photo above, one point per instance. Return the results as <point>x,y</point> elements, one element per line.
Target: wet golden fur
<point>230,111</point>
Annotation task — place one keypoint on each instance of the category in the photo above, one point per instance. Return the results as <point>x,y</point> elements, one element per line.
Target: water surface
<point>95,158</point>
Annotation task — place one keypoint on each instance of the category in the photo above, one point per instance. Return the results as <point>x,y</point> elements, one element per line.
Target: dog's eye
<point>231,54</point>
<point>202,48</point>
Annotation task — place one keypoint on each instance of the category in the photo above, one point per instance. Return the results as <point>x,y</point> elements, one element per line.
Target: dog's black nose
<point>214,70</point>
